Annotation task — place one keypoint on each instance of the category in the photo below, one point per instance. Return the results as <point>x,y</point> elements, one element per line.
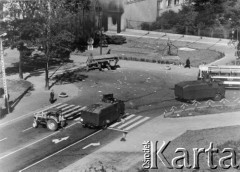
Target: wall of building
<point>166,5</point>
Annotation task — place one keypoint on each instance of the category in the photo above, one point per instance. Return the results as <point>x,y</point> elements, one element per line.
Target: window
<point>176,2</point>
<point>160,6</point>
<point>169,3</point>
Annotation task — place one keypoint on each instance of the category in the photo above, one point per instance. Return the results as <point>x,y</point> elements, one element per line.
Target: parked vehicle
<point>196,90</point>
<point>108,61</point>
<point>102,114</point>
<point>53,119</point>
<point>229,75</point>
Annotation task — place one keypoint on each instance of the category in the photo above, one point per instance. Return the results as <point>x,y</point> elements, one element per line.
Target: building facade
<point>132,13</point>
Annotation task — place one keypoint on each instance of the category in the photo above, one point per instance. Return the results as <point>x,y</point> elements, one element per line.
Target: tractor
<point>53,119</point>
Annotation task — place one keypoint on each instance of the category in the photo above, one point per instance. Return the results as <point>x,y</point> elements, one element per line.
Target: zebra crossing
<point>70,111</point>
<point>129,122</point>
<point>67,109</point>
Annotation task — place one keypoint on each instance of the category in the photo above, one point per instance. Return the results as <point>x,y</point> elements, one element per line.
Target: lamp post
<point>4,73</point>
<point>101,40</point>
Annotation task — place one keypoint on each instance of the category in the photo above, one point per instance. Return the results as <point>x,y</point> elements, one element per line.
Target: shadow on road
<point>13,103</point>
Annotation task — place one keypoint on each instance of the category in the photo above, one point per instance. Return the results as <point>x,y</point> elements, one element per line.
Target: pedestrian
<point>109,51</point>
<point>187,63</point>
<point>52,97</point>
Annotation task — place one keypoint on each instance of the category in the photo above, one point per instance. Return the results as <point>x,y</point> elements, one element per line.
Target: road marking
<point>27,129</point>
<point>28,114</point>
<point>116,129</point>
<point>71,109</point>
<point>137,123</point>
<point>75,112</point>
<point>59,107</point>
<point>56,141</point>
<point>32,143</point>
<point>115,124</point>
<point>129,122</point>
<point>3,139</point>
<point>92,144</point>
<point>60,150</point>
<point>67,107</point>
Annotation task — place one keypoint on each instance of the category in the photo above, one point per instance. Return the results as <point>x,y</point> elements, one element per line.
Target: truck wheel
<point>100,67</point>
<point>105,126</point>
<point>217,97</point>
<point>35,124</point>
<point>52,125</point>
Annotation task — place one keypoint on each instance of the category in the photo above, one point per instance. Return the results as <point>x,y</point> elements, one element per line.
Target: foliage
<point>196,15</point>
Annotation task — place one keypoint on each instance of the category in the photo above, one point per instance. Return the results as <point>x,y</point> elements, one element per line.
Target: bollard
<point>123,139</point>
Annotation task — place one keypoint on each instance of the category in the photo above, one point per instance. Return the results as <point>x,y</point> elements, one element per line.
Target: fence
<point>217,32</point>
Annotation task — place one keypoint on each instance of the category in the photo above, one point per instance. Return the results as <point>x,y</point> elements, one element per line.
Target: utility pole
<point>6,101</point>
<point>48,46</point>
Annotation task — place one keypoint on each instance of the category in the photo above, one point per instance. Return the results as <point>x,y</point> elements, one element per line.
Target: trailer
<point>108,61</point>
<point>102,114</point>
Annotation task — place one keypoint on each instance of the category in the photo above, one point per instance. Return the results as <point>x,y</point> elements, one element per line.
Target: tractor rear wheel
<point>52,125</point>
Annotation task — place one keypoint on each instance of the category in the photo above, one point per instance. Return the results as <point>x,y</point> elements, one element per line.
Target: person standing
<point>188,63</point>
<point>52,97</point>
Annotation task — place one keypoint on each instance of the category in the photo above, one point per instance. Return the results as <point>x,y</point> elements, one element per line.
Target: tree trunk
<point>46,77</point>
<point>20,65</point>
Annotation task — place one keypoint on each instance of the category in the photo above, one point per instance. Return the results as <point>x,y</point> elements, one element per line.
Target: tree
<point>42,24</point>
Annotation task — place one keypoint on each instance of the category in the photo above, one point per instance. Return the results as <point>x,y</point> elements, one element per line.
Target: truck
<point>199,89</point>
<point>102,114</point>
<point>108,61</point>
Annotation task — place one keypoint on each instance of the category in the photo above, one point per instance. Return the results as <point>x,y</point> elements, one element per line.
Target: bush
<point>145,26</point>
<point>142,60</point>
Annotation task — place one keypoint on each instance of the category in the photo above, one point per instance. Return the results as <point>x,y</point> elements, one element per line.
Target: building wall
<point>166,5</point>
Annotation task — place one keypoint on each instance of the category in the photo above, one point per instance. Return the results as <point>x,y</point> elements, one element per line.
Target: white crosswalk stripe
<point>59,107</point>
<point>115,124</point>
<point>137,123</point>
<point>76,107</point>
<point>128,123</point>
<point>67,107</point>
<point>51,107</point>
<point>74,112</point>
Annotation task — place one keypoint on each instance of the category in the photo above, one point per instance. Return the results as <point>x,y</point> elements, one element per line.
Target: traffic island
<point>209,107</point>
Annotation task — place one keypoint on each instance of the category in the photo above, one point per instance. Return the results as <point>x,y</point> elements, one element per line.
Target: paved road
<point>25,148</point>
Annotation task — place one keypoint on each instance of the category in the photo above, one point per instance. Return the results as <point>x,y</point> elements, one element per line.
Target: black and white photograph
<point>119,85</point>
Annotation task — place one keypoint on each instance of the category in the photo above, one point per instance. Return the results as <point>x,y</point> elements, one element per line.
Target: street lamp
<point>101,40</point>
<point>4,72</point>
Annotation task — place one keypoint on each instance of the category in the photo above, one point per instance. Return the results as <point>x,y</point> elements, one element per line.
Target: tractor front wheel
<point>52,125</point>
<point>35,124</point>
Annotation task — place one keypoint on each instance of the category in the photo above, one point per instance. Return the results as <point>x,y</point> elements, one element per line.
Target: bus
<point>228,75</point>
